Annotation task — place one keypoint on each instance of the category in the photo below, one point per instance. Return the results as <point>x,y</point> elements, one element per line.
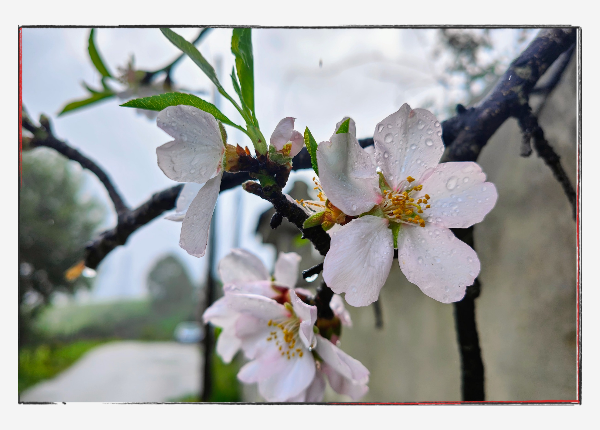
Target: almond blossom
<point>198,155</point>
<point>401,198</point>
<point>277,332</point>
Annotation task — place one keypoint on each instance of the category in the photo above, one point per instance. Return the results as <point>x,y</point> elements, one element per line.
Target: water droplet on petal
<point>388,138</point>
<point>429,142</point>
<point>483,188</point>
<point>469,259</point>
<point>465,180</point>
<point>386,155</point>
<point>353,207</point>
<point>380,128</point>
<point>420,125</point>
<point>413,146</point>
<point>437,124</point>
<point>451,184</point>
<point>420,260</point>
<point>389,126</point>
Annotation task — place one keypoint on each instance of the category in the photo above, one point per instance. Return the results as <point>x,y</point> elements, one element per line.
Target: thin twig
<point>315,270</point>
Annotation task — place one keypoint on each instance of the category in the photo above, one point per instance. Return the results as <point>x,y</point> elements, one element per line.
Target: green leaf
<point>241,46</point>
<point>314,220</point>
<point>191,51</point>
<point>344,127</point>
<point>162,101</point>
<point>311,146</point>
<point>238,91</point>
<point>95,57</point>
<point>95,97</point>
<point>395,227</point>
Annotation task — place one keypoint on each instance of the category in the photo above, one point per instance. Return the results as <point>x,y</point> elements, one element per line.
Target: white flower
<point>412,194</point>
<point>276,330</point>
<point>285,139</point>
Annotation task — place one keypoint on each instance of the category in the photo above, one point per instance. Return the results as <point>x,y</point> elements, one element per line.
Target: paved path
<point>125,372</point>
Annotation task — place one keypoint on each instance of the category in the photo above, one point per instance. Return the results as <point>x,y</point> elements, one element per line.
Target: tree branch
<point>43,136</point>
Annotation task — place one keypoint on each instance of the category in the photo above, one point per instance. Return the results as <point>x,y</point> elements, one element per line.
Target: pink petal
<point>262,288</point>
<point>197,151</point>
<point>269,363</point>
<point>260,307</point>
<point>350,368</point>
<point>220,314</point>
<point>286,269</point>
<point>407,143</point>
<point>227,345</point>
<point>316,390</point>
<point>297,375</point>
<point>194,230</point>
<point>437,262</point>
<point>242,266</point>
<point>297,143</point>
<point>308,315</point>
<point>337,306</point>
<point>342,385</point>
<point>347,174</point>
<point>460,197</point>
<point>282,133</point>
<point>359,259</point>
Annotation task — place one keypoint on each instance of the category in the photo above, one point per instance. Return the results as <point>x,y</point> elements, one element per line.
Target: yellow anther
<point>427,207</point>
<point>280,348</point>
<point>410,179</point>
<point>427,196</point>
<point>293,354</point>
<point>300,354</point>
<point>419,187</point>
<point>283,353</point>
<point>269,338</point>
<point>422,224</point>
<point>270,323</point>
<point>420,211</point>
<point>411,200</point>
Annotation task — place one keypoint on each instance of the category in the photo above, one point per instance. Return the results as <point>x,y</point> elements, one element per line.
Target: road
<point>127,371</point>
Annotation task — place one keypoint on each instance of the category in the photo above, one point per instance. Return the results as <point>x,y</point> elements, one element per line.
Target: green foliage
<point>169,285</point>
<point>46,361</point>
<point>95,56</point>
<point>55,222</point>
<point>344,127</point>
<point>162,101</point>
<point>241,47</point>
<point>311,146</point>
<point>95,97</point>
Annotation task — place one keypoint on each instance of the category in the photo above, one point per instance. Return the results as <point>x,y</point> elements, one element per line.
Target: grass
<point>45,361</point>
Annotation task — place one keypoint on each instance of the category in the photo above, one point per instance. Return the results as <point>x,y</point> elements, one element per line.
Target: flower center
<point>401,207</point>
<point>285,336</point>
<point>314,205</point>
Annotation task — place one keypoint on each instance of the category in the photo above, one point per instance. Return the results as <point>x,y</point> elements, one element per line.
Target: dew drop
<point>439,133</point>
<point>451,184</point>
<point>193,171</point>
<point>353,207</point>
<point>429,131</point>
<point>413,146</point>
<point>388,138</point>
<point>469,259</point>
<point>386,155</point>
<point>312,278</point>
<point>420,125</point>
<point>429,142</point>
<point>420,260</point>
<point>465,180</point>
<point>437,124</point>
<point>483,188</point>
<point>473,274</point>
<point>354,289</point>
<point>389,126</point>
<point>380,128</point>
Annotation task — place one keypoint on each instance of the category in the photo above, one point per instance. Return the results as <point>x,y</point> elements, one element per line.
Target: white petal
<point>296,377</point>
<point>316,390</point>
<point>350,368</point>
<point>194,230</point>
<point>260,307</point>
<point>347,174</point>
<point>270,362</point>
<point>407,143</point>
<point>337,306</point>
<point>220,314</point>
<point>436,261</point>
<point>227,345</point>
<point>359,259</point>
<point>286,269</point>
<point>460,197</point>
<point>342,385</point>
<point>196,153</point>
<point>184,200</point>
<point>282,133</point>
<point>242,266</point>
<point>308,315</point>
<point>262,288</point>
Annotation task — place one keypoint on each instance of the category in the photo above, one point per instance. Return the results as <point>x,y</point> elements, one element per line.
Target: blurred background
<point>129,332</point>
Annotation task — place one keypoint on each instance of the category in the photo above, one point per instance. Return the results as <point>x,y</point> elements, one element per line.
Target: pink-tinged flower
<point>412,195</point>
<point>197,155</point>
<point>243,273</point>
<point>285,139</point>
<point>283,363</point>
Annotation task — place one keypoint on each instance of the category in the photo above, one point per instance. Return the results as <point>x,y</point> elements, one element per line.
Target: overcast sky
<point>316,76</point>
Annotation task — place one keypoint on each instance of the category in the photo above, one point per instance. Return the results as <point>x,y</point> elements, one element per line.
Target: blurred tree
<point>169,285</point>
<point>54,220</point>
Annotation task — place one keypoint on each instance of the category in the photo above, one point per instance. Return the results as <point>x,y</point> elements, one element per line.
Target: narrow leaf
<point>191,51</point>
<point>238,91</point>
<point>344,127</point>
<point>95,97</point>
<point>95,57</point>
<point>162,101</point>
<point>241,46</point>
<point>311,146</point>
